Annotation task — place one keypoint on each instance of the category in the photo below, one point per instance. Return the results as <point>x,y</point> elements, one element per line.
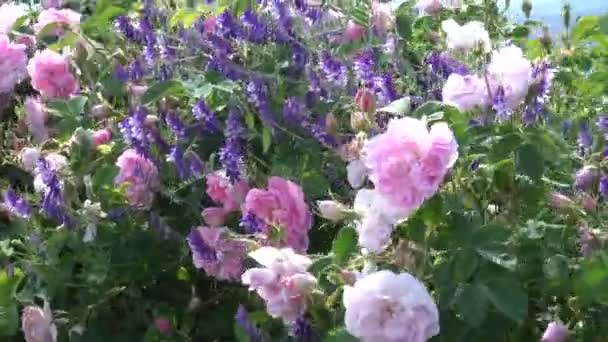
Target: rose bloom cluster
<point>140,176</point>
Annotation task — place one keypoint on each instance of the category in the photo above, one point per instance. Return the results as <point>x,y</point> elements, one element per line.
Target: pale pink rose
<point>35,118</point>
<point>356,172</point>
<point>28,41</point>
<point>51,76</point>
<point>429,6</point>
<point>400,159</point>
<point>60,17</point>
<point>352,32</point>
<point>389,307</point>
<point>101,137</point>
<point>561,201</point>
<point>141,176</point>
<point>9,13</point>
<point>282,204</point>
<point>13,61</point>
<point>466,37</point>
<point>465,92</point>
<point>510,69</point>
<point>222,191</point>
<point>283,283</point>
<point>332,210</point>
<point>214,216</point>
<point>37,324</point>
<point>163,325</point>
<point>383,18</point>
<point>216,252</point>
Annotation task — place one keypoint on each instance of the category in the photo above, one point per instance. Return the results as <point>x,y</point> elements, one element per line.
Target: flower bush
<point>301,171</point>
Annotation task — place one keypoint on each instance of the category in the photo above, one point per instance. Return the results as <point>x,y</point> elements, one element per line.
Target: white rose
<point>466,37</point>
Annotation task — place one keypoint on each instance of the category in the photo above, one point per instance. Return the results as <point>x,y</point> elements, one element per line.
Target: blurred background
<point>549,10</point>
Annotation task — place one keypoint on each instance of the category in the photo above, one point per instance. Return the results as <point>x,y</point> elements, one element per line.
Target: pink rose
<point>429,6</point>
<point>59,17</point>
<point>37,324</point>
<point>214,216</point>
<point>283,283</point>
<point>510,69</point>
<point>215,252</point>
<point>555,332</point>
<point>352,32</point>
<point>10,12</point>
<point>35,118</point>
<point>51,76</point>
<point>52,3</point>
<point>407,162</point>
<point>465,92</point>
<point>383,18</point>
<point>222,191</point>
<point>101,137</point>
<point>282,204</point>
<point>163,325</point>
<point>141,176</point>
<point>13,61</point>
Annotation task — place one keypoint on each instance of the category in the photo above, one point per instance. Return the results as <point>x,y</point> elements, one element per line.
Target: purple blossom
<point>135,132</point>
<point>298,56</point>
<point>221,46</point>
<point>257,95</point>
<point>555,332</point>
<point>585,177</point>
<point>443,65</point>
<point>203,114</point>
<point>602,123</point>
<point>584,138</point>
<point>201,251</point>
<point>363,65</point>
<point>334,72</point>
<point>164,72</point>
<point>385,89</point>
<point>499,104</point>
<point>319,133</point>
<point>15,204</point>
<point>193,163</point>
<point>230,153</point>
<point>167,52</point>
<point>123,25</point>
<point>251,224</point>
<point>135,70</point>
<point>177,127</point>
<point>294,111</point>
<point>301,330</point>
<point>226,26</point>
<point>176,157</point>
<point>254,30</point>
<point>588,241</point>
<point>51,203</point>
<point>603,187</point>
<point>120,73</point>
<point>566,125</point>
<point>242,319</point>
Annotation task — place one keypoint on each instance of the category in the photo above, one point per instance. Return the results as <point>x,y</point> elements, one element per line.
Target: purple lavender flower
<point>164,72</point>
<point>602,123</point>
<point>543,74</point>
<point>603,187</point>
<point>193,163</point>
<point>176,157</point>
<point>283,32</point>
<point>585,178</point>
<point>555,332</point>
<point>319,133</point>
<point>443,65</point>
<point>203,114</point>
<point>51,203</point>
<point>120,73</point>
<point>177,127</point>
<point>584,138</point>
<point>251,224</point>
<point>301,330</point>
<point>334,72</point>
<point>384,89</point>
<point>499,104</point>
<point>294,111</point>
<point>167,52</point>
<point>135,70</point>
<point>226,26</point>
<point>221,46</point>
<point>135,131</point>
<point>298,57</point>
<point>258,97</point>
<point>242,319</point>
<point>230,153</point>
<point>200,250</point>
<point>363,65</point>
<point>123,25</point>
<point>566,125</point>
<point>15,204</point>
<point>254,30</point>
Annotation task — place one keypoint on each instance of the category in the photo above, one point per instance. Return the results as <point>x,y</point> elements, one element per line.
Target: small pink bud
<point>28,41</point>
<point>365,101</point>
<point>332,210</point>
<point>163,325</point>
<point>348,277</point>
<point>561,201</point>
<point>136,90</point>
<point>101,137</point>
<point>588,202</point>
<point>213,216</point>
<point>352,32</point>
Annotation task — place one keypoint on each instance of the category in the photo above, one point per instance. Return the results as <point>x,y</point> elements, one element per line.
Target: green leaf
<point>344,245</point>
<point>585,26</point>
<point>266,139</point>
<point>471,305</point>
<point>428,109</point>
<point>9,316</point>
<point>530,162</point>
<point>604,24</point>
<point>160,90</point>
<point>465,264</point>
<point>76,104</point>
<point>508,297</point>
<point>591,282</point>
<point>185,16</point>
<point>240,334</point>
<point>404,23</point>
<point>399,107</point>
<point>339,335</point>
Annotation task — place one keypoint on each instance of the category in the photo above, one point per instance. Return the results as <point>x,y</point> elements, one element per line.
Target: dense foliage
<point>298,170</point>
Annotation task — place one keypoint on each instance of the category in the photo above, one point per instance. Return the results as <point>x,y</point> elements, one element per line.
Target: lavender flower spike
<point>230,154</point>
<point>243,321</point>
<point>16,205</point>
